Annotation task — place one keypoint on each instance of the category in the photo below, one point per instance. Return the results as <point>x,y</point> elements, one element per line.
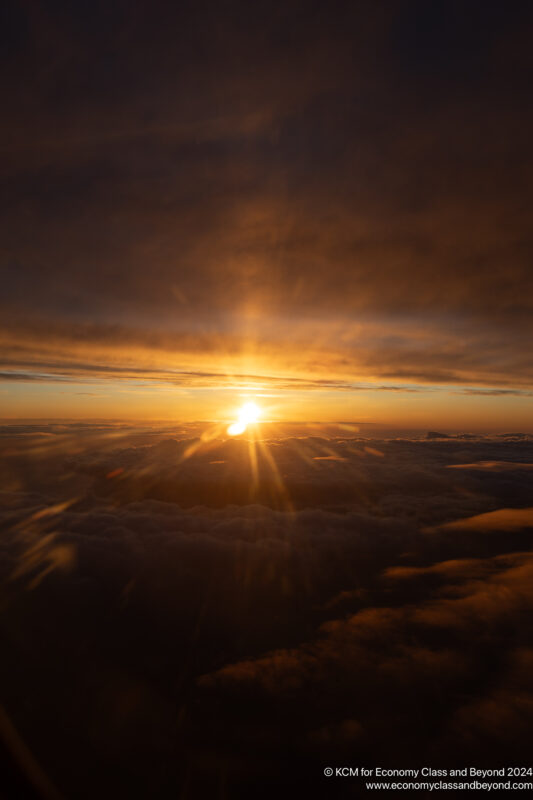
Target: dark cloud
<point>166,639</point>
<point>182,177</point>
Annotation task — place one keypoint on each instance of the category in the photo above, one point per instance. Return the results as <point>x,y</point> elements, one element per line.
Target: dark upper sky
<point>185,177</point>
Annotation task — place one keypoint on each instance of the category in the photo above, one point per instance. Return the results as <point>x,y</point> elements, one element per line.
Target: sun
<point>248,414</point>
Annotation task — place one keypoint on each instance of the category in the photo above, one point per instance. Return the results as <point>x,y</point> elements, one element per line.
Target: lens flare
<point>248,414</point>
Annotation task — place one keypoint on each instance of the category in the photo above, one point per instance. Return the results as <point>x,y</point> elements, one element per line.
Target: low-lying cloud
<point>162,615</point>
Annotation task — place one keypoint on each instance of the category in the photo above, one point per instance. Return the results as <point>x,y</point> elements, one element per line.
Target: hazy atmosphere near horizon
<point>266,398</point>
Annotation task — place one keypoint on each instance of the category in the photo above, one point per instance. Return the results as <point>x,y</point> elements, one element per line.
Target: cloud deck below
<point>188,617</point>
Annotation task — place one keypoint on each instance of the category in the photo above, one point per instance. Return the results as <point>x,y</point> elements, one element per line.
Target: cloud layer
<point>366,598</point>
<point>210,185</point>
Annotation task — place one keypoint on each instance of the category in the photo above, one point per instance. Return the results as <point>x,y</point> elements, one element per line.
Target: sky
<point>320,207</point>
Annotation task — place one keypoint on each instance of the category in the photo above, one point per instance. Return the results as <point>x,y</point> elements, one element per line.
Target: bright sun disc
<point>248,414</point>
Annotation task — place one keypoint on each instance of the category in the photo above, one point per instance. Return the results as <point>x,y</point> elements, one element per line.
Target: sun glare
<point>248,414</point>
